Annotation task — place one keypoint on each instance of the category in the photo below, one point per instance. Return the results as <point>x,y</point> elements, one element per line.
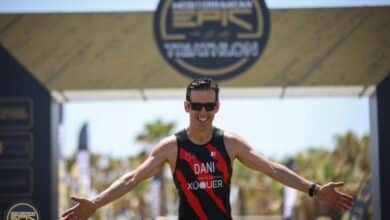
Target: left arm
<point>238,148</point>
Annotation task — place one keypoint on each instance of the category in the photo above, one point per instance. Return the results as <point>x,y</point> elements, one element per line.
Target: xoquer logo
<point>22,211</point>
<point>214,38</point>
<point>207,184</point>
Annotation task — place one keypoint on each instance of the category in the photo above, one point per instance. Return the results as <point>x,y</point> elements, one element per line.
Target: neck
<point>199,136</point>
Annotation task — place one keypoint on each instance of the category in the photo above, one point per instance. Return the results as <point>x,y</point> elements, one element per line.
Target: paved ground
<point>257,217</point>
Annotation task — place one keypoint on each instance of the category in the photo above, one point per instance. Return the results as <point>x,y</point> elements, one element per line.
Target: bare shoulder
<point>166,149</point>
<point>234,143</point>
<point>231,138</point>
<point>165,145</point>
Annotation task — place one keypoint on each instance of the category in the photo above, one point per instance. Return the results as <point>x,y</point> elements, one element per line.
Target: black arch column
<point>380,148</point>
<point>28,140</point>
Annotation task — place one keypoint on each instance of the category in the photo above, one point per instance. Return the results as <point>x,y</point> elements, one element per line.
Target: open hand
<point>81,211</point>
<point>334,198</point>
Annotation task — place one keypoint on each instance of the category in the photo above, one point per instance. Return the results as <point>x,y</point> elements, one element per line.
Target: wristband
<point>312,189</point>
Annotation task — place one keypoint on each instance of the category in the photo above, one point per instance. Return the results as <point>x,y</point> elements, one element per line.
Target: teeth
<point>203,119</point>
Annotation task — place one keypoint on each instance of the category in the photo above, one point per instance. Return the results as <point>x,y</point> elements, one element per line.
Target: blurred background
<point>100,141</point>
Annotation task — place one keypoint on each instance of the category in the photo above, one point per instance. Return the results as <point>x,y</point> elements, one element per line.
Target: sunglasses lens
<point>209,106</point>
<point>198,106</point>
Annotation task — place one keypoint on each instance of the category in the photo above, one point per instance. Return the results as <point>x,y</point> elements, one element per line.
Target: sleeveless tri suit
<point>202,176</point>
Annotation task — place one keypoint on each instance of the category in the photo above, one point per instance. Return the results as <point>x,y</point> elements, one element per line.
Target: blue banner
<point>28,166</point>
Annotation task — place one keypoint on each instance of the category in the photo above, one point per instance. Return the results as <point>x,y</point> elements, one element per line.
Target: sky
<point>11,6</point>
<point>276,128</point>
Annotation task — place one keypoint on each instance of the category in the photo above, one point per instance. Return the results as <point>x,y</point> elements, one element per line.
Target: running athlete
<point>201,157</point>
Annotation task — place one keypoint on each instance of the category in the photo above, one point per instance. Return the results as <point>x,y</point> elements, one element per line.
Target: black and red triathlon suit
<point>202,177</point>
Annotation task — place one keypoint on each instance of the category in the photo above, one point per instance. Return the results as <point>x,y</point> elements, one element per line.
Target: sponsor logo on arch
<point>211,38</point>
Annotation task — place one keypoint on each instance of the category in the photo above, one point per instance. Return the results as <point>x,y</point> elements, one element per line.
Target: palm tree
<point>348,162</point>
<point>152,133</point>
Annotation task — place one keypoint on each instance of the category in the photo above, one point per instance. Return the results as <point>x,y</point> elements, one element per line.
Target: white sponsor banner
<point>290,195</point>
<point>85,173</point>
<point>155,191</point>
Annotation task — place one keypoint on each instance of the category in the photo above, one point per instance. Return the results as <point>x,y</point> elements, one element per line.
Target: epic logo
<point>213,38</point>
<point>22,211</point>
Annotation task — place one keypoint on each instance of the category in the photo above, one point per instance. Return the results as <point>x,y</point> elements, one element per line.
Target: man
<point>201,158</point>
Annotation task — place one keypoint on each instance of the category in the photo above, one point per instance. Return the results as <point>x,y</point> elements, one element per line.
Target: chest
<point>203,161</point>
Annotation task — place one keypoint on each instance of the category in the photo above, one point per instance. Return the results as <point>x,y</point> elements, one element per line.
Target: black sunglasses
<point>210,106</point>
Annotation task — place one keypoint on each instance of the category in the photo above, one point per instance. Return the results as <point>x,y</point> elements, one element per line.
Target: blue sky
<point>274,127</point>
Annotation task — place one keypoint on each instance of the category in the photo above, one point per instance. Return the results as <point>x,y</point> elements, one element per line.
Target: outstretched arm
<point>326,193</point>
<point>85,208</point>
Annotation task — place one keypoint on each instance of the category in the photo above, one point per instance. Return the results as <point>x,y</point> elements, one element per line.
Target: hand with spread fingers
<point>80,211</point>
<point>329,195</point>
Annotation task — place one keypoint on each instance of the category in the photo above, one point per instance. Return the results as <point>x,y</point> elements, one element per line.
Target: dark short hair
<point>202,84</point>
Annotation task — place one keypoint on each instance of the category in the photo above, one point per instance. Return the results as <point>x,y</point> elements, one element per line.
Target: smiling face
<point>203,118</point>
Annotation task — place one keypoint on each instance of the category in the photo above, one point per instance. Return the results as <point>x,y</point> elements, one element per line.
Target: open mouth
<point>203,119</point>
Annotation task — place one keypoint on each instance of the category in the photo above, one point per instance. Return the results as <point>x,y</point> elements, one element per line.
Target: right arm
<point>151,166</point>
